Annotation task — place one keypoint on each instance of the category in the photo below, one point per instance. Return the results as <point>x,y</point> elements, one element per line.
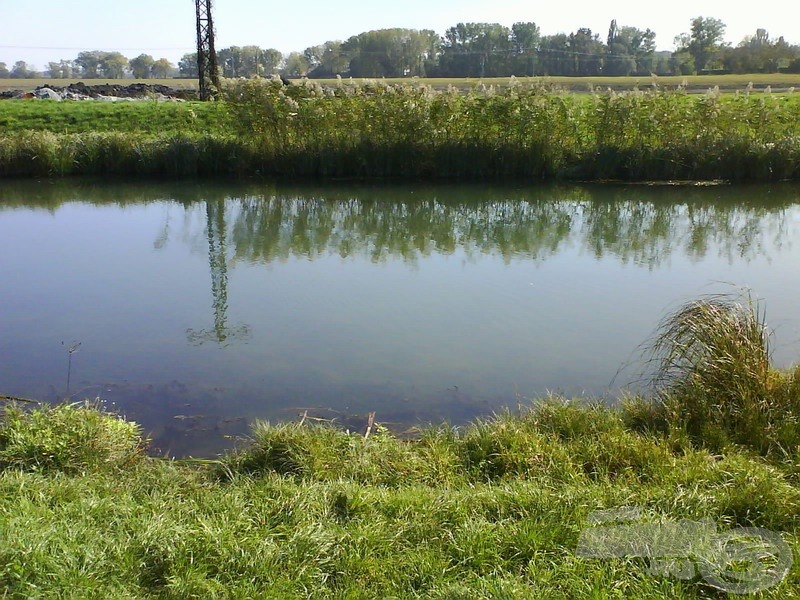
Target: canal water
<point>194,308</point>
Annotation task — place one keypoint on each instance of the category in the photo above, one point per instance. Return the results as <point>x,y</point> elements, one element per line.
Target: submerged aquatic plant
<point>71,349</point>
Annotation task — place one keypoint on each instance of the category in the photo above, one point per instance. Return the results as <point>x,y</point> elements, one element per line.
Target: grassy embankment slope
<point>373,129</point>
<point>494,510</point>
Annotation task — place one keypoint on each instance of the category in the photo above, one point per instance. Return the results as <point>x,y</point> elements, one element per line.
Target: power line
<point>86,47</point>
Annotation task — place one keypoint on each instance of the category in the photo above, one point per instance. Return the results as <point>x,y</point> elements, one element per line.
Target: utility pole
<point>206,55</point>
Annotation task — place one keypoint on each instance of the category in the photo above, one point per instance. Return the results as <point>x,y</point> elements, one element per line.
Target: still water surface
<point>199,307</point>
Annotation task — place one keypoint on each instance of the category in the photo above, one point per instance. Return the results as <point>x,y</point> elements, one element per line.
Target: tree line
<point>465,50</point>
<point>494,50</point>
<point>94,64</point>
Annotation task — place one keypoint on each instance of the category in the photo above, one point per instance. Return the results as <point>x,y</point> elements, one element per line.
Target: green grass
<point>67,439</point>
<point>145,118</point>
<point>375,130</point>
<point>493,510</point>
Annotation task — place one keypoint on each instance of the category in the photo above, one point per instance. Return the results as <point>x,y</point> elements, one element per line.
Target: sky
<point>39,31</point>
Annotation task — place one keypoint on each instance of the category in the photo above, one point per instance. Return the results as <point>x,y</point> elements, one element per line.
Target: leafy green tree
<point>248,61</point>
<point>60,70</point>
<point>703,42</point>
<point>326,60</point>
<point>555,57</point>
<point>662,62</point>
<point>162,68</point>
<point>388,52</point>
<point>89,63</point>
<point>682,62</point>
<point>230,61</point>
<point>53,70</point>
<point>619,59</point>
<point>4,72</point>
<point>779,55</point>
<point>476,50</point>
<point>142,66</point>
<point>271,61</point>
<point>187,65</point>
<point>113,65</point>
<point>525,39</point>
<point>21,71</point>
<point>295,65</point>
<point>586,53</point>
<point>758,54</point>
<point>629,50</point>
<point>794,65</point>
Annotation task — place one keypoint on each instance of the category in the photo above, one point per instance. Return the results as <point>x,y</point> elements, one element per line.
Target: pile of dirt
<point>105,91</point>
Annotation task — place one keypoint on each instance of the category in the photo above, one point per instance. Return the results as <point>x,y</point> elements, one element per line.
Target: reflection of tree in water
<point>216,233</point>
<point>638,224</point>
<point>277,228</point>
<point>648,233</point>
<point>631,226</point>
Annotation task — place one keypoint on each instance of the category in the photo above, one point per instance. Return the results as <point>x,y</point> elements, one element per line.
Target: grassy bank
<point>374,130</point>
<point>143,118</point>
<point>492,510</point>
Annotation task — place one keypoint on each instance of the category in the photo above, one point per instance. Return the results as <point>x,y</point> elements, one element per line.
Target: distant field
<point>779,82</point>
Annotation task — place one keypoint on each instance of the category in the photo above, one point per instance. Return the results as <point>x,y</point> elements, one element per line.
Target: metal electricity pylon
<point>206,55</point>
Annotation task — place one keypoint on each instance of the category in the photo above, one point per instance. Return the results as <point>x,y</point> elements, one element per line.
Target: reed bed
<point>377,130</point>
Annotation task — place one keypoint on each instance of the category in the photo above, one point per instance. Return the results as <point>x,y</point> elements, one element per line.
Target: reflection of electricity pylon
<point>216,233</point>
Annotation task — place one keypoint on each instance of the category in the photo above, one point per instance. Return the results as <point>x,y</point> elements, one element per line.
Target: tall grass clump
<point>309,452</point>
<point>47,154</point>
<point>35,153</point>
<point>714,379</point>
<point>71,438</point>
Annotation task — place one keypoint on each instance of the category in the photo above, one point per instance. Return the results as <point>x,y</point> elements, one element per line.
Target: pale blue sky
<point>39,31</point>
